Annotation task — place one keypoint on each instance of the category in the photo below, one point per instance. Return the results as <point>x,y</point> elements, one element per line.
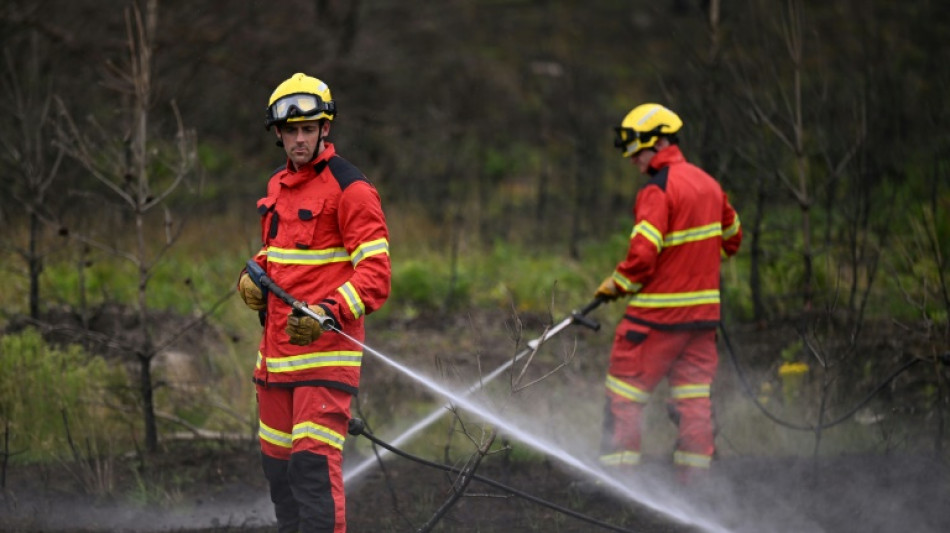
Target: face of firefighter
<point>642,158</point>
<point>302,140</point>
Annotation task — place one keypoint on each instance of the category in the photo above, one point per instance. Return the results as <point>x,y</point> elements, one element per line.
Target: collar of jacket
<point>294,177</point>
<point>666,157</point>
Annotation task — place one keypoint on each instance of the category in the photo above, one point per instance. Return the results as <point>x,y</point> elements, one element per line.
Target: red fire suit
<point>684,225</point>
<point>325,241</point>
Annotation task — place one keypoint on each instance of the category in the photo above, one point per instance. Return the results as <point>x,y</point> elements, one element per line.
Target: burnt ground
<point>212,486</point>
<point>226,494</point>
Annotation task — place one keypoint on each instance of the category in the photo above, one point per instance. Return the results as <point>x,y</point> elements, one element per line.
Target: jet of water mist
<point>541,444</point>
<point>351,474</point>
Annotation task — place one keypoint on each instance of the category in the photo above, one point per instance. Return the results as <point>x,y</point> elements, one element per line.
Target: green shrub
<point>44,388</point>
<point>426,283</point>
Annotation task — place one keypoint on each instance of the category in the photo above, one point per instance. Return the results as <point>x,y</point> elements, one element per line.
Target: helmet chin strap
<point>320,138</point>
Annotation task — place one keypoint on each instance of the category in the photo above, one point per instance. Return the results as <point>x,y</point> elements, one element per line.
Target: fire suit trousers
<point>639,360</point>
<point>302,430</point>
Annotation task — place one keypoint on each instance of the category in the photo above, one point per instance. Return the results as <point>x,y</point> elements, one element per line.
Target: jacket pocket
<point>306,224</point>
<point>269,219</point>
<point>635,337</point>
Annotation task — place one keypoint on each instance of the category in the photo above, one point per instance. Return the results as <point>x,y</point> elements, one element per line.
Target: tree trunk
<point>35,266</point>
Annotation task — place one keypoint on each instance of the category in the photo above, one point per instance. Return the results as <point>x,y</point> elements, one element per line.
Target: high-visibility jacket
<point>684,224</point>
<point>325,242</point>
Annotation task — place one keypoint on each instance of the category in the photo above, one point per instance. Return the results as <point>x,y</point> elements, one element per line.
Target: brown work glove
<point>608,290</point>
<point>303,329</point>
<point>250,293</point>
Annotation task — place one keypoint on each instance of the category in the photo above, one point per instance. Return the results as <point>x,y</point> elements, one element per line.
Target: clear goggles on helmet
<point>629,139</point>
<point>299,105</point>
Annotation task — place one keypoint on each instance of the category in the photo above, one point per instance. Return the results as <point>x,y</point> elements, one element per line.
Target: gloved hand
<point>608,290</point>
<point>303,329</point>
<point>250,293</point>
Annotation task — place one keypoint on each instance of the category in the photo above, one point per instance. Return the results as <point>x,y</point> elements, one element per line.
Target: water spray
<point>464,402</point>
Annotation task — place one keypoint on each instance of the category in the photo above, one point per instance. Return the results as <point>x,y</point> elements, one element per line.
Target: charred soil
<point>217,486</point>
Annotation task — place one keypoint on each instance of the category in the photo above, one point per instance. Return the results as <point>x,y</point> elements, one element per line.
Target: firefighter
<point>325,241</point>
<point>669,279</point>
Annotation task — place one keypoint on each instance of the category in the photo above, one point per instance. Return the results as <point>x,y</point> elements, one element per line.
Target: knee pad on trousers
<point>310,480</point>
<point>285,506</point>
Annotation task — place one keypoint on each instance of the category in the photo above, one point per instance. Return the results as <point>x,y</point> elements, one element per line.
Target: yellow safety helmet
<point>299,98</point>
<point>643,126</point>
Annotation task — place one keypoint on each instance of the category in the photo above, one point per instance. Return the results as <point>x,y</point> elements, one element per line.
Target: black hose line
<point>358,427</point>
<point>747,388</point>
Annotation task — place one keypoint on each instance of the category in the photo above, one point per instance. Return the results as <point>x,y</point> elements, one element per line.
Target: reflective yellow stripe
<point>675,299</point>
<point>309,430</point>
<point>352,299</point>
<point>627,391</point>
<point>697,460</point>
<point>626,457</point>
<point>313,360</point>
<point>367,249</point>
<point>271,435</point>
<point>684,392</point>
<point>699,233</point>
<point>649,232</point>
<point>260,359</point>
<point>732,230</point>
<point>625,283</point>
<point>307,257</point>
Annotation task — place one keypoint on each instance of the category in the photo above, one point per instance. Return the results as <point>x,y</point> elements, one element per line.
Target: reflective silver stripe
<point>307,257</point>
<point>271,435</point>
<point>675,299</point>
<point>652,112</point>
<point>309,430</point>
<point>627,391</point>
<point>697,460</point>
<point>353,300</point>
<point>649,232</point>
<point>626,457</point>
<point>700,233</point>
<point>367,249</point>
<point>625,283</point>
<point>685,392</point>
<point>314,360</point>
<point>733,229</point>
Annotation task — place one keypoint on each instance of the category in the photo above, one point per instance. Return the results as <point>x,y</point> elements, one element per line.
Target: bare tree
<point>141,176</point>
<point>34,164</point>
<point>789,126</point>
